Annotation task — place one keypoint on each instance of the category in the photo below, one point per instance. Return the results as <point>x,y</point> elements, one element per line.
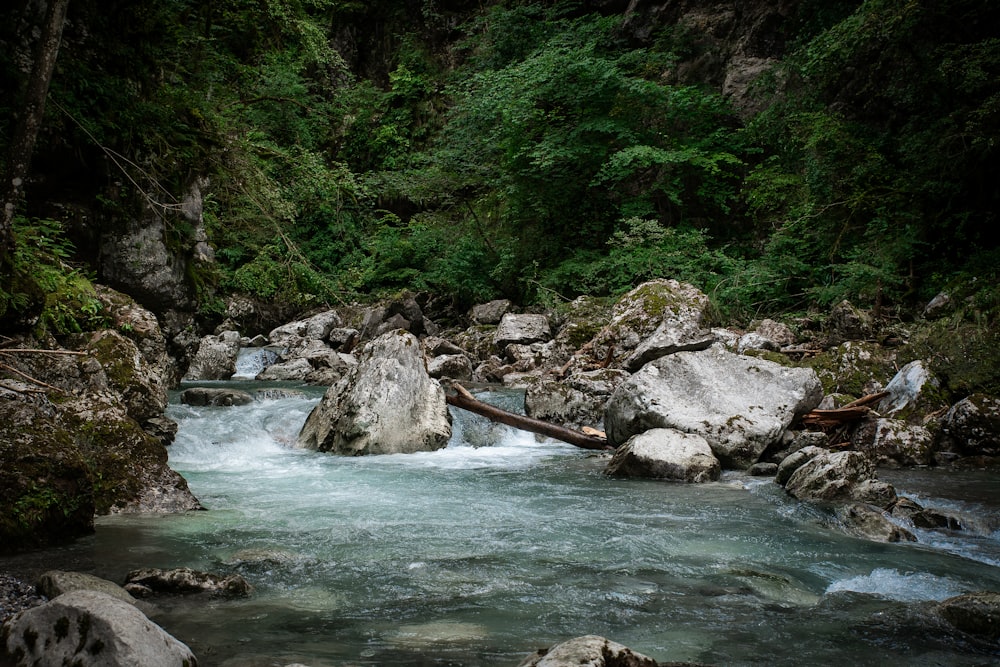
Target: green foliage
<point>42,289</point>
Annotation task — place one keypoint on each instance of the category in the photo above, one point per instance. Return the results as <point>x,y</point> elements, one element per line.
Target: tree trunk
<point>464,400</point>
<point>22,142</point>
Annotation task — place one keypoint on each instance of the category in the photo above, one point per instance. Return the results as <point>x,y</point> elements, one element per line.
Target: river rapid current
<point>499,544</point>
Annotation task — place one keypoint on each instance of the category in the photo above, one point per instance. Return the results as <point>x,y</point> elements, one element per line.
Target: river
<point>499,544</point>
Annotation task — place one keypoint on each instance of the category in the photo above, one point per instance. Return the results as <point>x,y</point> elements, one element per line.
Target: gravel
<point>15,596</point>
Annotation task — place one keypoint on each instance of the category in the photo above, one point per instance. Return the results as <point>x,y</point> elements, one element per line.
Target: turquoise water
<point>499,544</point>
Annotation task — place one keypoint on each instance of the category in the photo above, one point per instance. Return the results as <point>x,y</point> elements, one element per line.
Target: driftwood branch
<point>466,401</point>
<point>851,412</point>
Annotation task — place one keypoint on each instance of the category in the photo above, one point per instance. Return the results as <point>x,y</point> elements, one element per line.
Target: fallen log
<point>851,412</point>
<point>466,401</point>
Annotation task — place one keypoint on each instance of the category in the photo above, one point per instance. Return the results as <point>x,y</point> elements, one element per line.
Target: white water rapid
<point>484,551</point>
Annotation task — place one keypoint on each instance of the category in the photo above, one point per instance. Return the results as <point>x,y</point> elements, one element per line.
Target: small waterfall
<point>252,360</point>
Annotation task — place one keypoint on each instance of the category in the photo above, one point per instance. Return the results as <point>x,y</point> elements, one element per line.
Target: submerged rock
<point>872,523</point>
<point>216,396</point>
<point>739,404</point>
<point>91,629</point>
<point>975,613</point>
<point>387,404</point>
<point>182,581</point>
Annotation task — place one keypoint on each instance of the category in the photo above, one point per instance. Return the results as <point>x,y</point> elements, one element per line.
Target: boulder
<point>664,453</point>
<point>490,313</point>
<point>521,329</point>
<point>739,404</point>
<point>387,404</point>
<point>183,581</point>
<point>854,368</point>
<point>755,341</point>
<point>894,441</point>
<point>657,318</point>
<point>54,583</point>
<point>977,614</point>
<point>872,523</point>
<point>848,322</point>
<point>294,370</point>
<point>215,358</point>
<point>454,366</point>
<point>588,651</point>
<point>89,628</point>
<point>82,451</point>
<point>579,400</point>
<point>914,393</point>
<point>215,396</point>
<point>127,375</point>
<point>840,476</point>
<point>972,426</point>
<point>319,326</point>
<point>436,346</point>
<point>776,332</point>
<point>794,461</point>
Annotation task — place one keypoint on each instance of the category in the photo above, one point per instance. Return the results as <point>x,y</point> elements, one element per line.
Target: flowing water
<point>499,544</point>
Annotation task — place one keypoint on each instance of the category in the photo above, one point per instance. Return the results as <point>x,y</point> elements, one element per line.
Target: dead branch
<point>466,401</point>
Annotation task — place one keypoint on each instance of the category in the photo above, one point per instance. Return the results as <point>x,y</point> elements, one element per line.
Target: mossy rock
<point>46,486</point>
<point>853,367</point>
<point>964,356</point>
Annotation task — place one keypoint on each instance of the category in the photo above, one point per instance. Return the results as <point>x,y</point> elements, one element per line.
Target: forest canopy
<point>529,150</point>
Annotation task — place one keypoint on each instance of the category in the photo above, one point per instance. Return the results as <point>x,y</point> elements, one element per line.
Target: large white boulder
<point>740,405</point>
<point>91,629</point>
<point>387,404</point>
<point>216,357</point>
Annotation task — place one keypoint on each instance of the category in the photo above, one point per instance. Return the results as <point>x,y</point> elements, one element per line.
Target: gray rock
<point>387,404</point>
<point>794,461</point>
<point>894,441</point>
<point>319,326</point>
<point>914,393</point>
<point>657,318</point>
<point>295,370</point>
<point>54,583</point>
<point>343,339</point>
<point>977,614</point>
<point>763,469</point>
<point>972,426</point>
<point>664,453</point>
<point>579,400</point>
<point>755,341</point>
<point>588,651</point>
<point>490,313</point>
<point>521,329</point>
<point>939,306</point>
<point>454,366</point>
<point>216,396</point>
<point>872,523</point>
<point>183,581</point>
<point>739,404</point>
<point>437,347</point>
<point>847,322</point>
<point>92,629</point>
<point>215,358</point>
<point>776,332</point>
<point>840,476</point>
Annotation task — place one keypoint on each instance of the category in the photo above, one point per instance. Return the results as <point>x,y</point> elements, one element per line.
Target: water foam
<point>902,586</point>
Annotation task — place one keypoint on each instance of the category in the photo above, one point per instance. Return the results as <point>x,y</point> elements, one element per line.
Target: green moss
<point>964,356</point>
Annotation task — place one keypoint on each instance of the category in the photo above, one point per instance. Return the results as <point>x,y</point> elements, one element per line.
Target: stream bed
<point>499,544</point>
